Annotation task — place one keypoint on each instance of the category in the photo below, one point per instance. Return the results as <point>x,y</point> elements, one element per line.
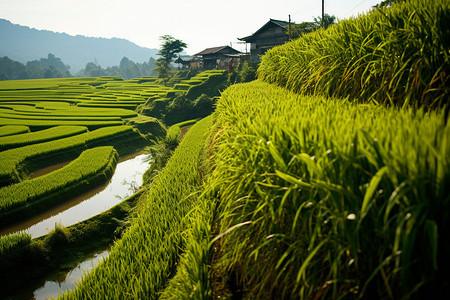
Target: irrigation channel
<point>126,179</point>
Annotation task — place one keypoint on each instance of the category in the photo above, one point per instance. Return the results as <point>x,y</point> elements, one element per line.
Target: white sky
<point>199,23</point>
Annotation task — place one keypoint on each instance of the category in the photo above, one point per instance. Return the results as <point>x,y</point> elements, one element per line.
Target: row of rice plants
<point>398,55</point>
<point>12,130</point>
<point>140,264</point>
<point>174,131</point>
<point>110,104</point>
<point>31,116</point>
<point>42,124</point>
<point>60,109</point>
<point>192,279</point>
<point>54,133</point>
<point>213,81</point>
<point>11,160</point>
<point>320,198</point>
<point>91,167</point>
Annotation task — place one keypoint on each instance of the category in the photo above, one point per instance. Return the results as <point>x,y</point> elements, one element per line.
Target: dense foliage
<point>50,67</point>
<point>126,69</point>
<point>53,67</point>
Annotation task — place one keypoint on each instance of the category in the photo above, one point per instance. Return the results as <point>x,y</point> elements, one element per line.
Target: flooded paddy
<point>127,178</point>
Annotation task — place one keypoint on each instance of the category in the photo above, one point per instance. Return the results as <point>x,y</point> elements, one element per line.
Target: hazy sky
<point>199,23</point>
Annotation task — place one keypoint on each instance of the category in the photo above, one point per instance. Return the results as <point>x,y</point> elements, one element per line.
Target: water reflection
<point>57,283</point>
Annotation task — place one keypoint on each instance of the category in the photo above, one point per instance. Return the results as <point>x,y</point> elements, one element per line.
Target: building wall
<point>266,40</point>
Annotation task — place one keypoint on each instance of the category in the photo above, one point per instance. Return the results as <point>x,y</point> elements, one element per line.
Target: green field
<point>325,178</point>
<point>91,102</point>
<point>48,121</point>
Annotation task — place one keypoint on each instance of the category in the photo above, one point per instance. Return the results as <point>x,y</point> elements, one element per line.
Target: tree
<point>169,50</point>
<point>386,3</point>
<point>327,20</point>
<point>51,60</point>
<point>297,30</point>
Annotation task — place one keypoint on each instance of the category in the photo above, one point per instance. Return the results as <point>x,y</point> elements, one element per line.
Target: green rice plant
<point>12,160</point>
<point>110,105</point>
<point>175,130</point>
<point>396,56</point>
<point>182,86</point>
<point>43,124</point>
<point>140,264</point>
<point>92,167</point>
<point>11,242</point>
<point>31,116</point>
<point>12,130</point>
<point>212,84</point>
<point>320,198</point>
<point>19,140</point>
<point>192,278</point>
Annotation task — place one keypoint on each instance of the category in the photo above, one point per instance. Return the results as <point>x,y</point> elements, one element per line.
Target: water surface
<point>59,282</point>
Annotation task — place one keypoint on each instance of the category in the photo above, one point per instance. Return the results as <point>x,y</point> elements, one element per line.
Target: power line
<point>354,7</point>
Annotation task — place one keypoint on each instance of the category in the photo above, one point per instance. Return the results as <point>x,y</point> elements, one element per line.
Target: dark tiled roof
<point>185,58</point>
<point>280,23</point>
<point>215,50</point>
<point>211,50</point>
<point>276,22</point>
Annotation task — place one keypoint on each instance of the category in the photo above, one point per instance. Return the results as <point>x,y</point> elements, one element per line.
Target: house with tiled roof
<point>213,57</point>
<point>271,34</point>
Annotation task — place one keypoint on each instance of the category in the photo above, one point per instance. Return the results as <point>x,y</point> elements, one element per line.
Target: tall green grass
<point>141,263</point>
<point>398,56</point>
<point>319,198</point>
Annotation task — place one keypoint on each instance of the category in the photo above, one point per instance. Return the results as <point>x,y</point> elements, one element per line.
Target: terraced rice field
<point>88,120</point>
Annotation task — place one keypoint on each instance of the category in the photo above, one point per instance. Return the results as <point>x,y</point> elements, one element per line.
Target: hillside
<point>24,44</point>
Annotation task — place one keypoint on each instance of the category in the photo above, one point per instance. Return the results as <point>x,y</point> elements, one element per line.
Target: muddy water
<point>57,283</point>
<point>127,177</point>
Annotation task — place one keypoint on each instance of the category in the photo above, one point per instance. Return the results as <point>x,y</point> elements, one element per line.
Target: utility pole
<point>290,27</point>
<point>323,10</point>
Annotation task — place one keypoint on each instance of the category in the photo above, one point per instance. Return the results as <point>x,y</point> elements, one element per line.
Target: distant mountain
<point>24,44</point>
